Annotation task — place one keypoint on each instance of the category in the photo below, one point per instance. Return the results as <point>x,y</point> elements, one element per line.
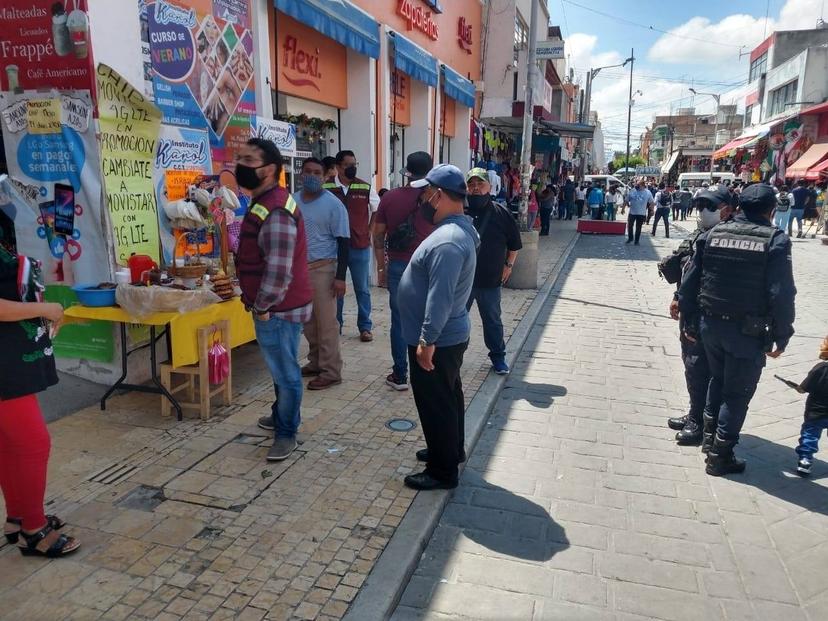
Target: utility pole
<point>528,114</point>
<point>718,99</point>
<point>629,111</point>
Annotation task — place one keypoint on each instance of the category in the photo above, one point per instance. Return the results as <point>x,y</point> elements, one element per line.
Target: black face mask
<point>477,202</point>
<point>427,209</point>
<point>350,172</point>
<point>246,176</point>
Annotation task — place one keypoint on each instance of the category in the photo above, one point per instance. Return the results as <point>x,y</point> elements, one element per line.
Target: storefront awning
<point>410,58</point>
<point>750,137</point>
<point>457,87</point>
<point>817,172</point>
<point>668,166</point>
<point>570,130</point>
<point>337,19</point>
<point>809,159</point>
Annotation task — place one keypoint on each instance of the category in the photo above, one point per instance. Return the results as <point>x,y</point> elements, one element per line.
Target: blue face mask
<point>312,183</point>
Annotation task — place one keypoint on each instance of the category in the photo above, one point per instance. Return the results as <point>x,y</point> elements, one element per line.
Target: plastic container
<point>90,295</point>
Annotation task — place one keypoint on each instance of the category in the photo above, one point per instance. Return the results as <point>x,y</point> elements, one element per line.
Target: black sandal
<point>52,521</point>
<point>62,546</point>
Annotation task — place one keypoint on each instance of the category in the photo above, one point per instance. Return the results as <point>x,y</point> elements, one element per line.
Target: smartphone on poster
<point>47,212</point>
<point>64,209</point>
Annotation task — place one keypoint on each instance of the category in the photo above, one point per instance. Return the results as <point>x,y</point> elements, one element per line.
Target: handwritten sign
<point>75,113</point>
<point>129,137</point>
<point>43,116</point>
<point>178,181</point>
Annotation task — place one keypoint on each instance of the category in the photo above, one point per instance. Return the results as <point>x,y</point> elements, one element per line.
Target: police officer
<point>712,207</point>
<point>740,287</point>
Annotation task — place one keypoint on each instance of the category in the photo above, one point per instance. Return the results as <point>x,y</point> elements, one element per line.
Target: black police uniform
<point>740,286</point>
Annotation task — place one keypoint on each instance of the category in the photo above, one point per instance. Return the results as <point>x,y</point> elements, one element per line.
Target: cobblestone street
<point>187,520</point>
<point>577,504</point>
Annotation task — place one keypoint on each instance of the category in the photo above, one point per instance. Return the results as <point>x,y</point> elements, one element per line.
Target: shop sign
<point>282,134</point>
<point>44,44</point>
<point>419,18</point>
<point>171,40</point>
<point>549,50</point>
<point>464,35</point>
<point>400,98</point>
<point>304,57</point>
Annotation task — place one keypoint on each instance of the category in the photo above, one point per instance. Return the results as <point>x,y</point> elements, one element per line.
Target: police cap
<point>716,196</point>
<point>757,197</point>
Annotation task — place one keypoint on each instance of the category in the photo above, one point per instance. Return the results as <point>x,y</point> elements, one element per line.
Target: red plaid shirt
<point>277,240</point>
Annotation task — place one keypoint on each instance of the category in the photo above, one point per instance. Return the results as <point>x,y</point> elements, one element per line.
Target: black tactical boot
<point>690,435</point>
<point>677,422</point>
<point>709,431</point>
<point>721,460</point>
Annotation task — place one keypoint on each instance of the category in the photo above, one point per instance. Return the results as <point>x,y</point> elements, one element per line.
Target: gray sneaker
<point>266,422</point>
<point>281,449</point>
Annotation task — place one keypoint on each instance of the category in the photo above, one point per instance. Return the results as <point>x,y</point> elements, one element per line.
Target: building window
<point>521,33</point>
<point>748,114</point>
<point>758,67</point>
<point>782,96</point>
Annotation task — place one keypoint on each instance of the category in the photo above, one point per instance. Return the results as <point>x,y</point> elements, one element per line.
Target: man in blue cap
<point>713,206</point>
<point>740,287</point>
<point>432,297</point>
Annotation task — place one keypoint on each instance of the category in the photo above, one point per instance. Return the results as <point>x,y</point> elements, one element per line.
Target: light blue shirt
<point>638,200</point>
<point>325,219</point>
<point>436,285</point>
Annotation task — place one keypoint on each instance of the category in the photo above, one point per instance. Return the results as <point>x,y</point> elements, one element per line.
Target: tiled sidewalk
<point>187,520</point>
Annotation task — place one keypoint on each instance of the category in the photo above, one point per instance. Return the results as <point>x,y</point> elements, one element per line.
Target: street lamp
<point>590,77</point>
<point>630,60</point>
<point>715,126</point>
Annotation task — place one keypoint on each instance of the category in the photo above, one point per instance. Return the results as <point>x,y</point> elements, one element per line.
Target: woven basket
<point>194,270</point>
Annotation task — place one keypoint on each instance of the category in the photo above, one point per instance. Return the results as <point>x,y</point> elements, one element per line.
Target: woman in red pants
<point>27,367</point>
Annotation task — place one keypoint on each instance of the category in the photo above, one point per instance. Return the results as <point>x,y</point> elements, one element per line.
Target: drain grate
<point>400,424</point>
<point>114,473</point>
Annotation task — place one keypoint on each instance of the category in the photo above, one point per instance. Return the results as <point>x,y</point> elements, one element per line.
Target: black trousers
<point>545,214</point>
<point>439,398</point>
<point>662,213</point>
<point>696,375</point>
<point>638,222</point>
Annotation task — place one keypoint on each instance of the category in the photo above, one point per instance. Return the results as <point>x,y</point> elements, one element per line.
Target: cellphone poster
<point>44,44</point>
<point>201,57</point>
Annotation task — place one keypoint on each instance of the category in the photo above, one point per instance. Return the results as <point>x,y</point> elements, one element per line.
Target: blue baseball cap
<point>445,177</point>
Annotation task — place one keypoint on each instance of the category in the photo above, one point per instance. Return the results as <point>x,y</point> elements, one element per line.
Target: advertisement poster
<point>282,134</point>
<point>201,54</point>
<point>44,44</point>
<point>180,153</point>
<point>129,126</point>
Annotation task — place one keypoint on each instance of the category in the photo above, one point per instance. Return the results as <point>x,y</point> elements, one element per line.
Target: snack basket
<point>192,271</point>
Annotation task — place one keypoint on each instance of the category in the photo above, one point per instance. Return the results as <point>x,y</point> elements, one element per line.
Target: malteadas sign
<point>419,18</point>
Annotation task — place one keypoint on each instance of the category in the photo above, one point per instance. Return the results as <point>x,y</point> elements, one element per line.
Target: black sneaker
<point>426,482</point>
<point>422,455</point>
<point>677,422</point>
<point>397,383</point>
<point>690,434</point>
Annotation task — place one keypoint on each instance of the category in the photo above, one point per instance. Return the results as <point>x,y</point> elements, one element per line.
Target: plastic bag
<point>143,301</point>
<point>218,362</point>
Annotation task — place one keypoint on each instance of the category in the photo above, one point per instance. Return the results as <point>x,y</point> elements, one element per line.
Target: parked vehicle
<point>691,181</point>
<point>605,181</point>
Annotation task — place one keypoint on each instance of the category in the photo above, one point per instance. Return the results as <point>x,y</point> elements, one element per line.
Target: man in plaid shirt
<point>272,267</point>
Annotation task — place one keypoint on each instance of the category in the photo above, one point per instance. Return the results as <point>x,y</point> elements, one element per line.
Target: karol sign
<point>464,35</point>
<point>419,18</point>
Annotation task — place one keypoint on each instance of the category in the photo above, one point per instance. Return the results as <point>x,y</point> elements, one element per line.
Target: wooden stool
<point>200,372</point>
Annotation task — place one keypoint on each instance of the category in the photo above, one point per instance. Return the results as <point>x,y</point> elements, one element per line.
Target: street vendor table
<point>181,331</point>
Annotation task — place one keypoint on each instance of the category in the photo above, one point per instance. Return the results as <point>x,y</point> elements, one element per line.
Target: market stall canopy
<point>745,141</point>
<point>410,58</point>
<point>339,20</point>
<point>815,173</point>
<point>457,87</point>
<point>668,165</point>
<point>570,130</point>
<point>809,159</point>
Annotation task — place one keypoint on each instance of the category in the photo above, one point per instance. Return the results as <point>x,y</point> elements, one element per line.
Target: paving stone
<point>658,603</point>
<point>629,568</point>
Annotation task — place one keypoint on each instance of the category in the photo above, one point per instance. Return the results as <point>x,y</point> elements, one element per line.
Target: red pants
<point>24,458</point>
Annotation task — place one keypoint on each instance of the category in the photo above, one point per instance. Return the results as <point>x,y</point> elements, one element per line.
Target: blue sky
<point>702,50</point>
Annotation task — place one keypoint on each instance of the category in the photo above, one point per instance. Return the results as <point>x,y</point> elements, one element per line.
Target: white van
<point>691,181</point>
<point>605,181</point>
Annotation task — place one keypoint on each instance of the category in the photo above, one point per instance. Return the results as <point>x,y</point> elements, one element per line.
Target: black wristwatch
<point>509,265</point>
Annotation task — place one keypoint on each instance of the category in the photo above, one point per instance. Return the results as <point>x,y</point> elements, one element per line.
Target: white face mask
<point>708,219</point>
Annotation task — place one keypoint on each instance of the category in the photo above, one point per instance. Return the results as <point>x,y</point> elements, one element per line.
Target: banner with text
<point>44,44</point>
<point>129,137</point>
<point>201,54</point>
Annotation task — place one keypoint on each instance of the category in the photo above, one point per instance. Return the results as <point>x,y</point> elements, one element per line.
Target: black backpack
<point>401,238</point>
<point>666,199</point>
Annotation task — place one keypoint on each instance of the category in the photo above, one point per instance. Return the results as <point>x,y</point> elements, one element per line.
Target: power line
<point>652,28</point>
<point>566,22</point>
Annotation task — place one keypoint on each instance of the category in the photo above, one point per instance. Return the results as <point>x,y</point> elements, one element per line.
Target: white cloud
<point>580,54</point>
<point>700,41</point>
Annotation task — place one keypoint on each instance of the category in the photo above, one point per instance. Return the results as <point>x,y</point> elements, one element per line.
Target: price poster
<point>129,139</point>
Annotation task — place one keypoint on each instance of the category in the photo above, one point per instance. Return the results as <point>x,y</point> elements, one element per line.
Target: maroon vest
<point>358,203</point>
<point>250,261</point>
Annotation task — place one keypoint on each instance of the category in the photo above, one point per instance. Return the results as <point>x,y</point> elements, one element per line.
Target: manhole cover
<point>400,424</point>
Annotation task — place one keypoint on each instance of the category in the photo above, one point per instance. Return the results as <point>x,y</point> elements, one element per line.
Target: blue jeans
<point>781,220</point>
<point>359,263</point>
<point>399,348</point>
<point>488,303</point>
<point>279,344</point>
<point>796,214</point>
<point>809,436</point>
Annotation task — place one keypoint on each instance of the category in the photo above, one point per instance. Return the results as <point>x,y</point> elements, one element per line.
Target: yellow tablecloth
<point>183,326</point>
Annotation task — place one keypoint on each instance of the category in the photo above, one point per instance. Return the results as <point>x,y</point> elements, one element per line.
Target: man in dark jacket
<point>738,294</point>
<point>499,245</point>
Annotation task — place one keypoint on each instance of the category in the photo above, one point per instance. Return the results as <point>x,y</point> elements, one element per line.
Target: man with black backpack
<point>399,228</point>
<point>663,201</point>
<point>499,245</point>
